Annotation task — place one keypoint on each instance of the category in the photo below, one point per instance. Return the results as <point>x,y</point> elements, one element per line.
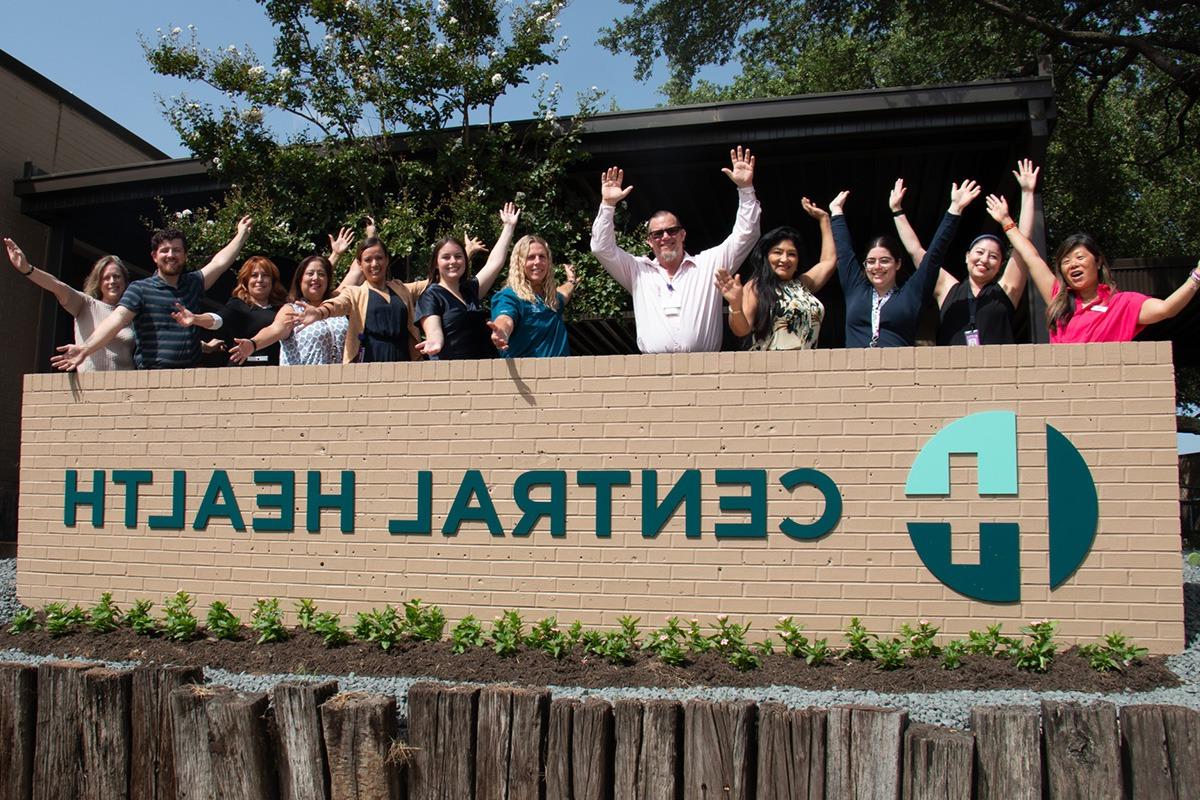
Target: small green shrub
<point>952,654</point>
<point>328,626</point>
<point>730,642</point>
<point>60,619</point>
<point>818,653</point>
<point>179,623</point>
<point>1115,653</point>
<point>889,654</point>
<point>1037,653</point>
<point>547,637</point>
<point>858,641</point>
<point>104,617</point>
<point>24,620</point>
<point>508,633</point>
<point>140,620</point>
<point>920,640</point>
<point>423,623</point>
<point>990,642</point>
<point>266,619</point>
<point>221,622</point>
<point>306,613</point>
<point>697,642</point>
<point>1194,558</point>
<point>466,634</point>
<point>667,643</point>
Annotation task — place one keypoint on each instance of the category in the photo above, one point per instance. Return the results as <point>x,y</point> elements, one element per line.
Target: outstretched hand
<point>997,208</point>
<point>372,229</point>
<point>341,243</point>
<point>896,198</point>
<point>69,357</point>
<point>569,269</point>
<point>1026,174</point>
<point>499,337</point>
<point>16,255</point>
<point>611,186</point>
<point>183,316</point>
<point>730,287</point>
<point>244,225</point>
<point>962,194</point>
<point>741,168</point>
<point>509,214</point>
<point>835,205</point>
<point>813,210</point>
<point>241,350</point>
<point>473,245</point>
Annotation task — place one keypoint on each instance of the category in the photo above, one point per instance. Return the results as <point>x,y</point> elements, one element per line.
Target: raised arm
<point>849,270</point>
<point>69,298</point>
<point>904,229</point>
<point>1155,310</point>
<point>733,251</point>
<point>70,356</point>
<point>508,220</point>
<point>929,271</point>
<point>1016,272</point>
<point>185,318</point>
<point>1039,270</point>
<point>568,287</point>
<point>736,296</point>
<point>338,245</point>
<point>226,255</point>
<point>435,337</point>
<point>354,276</point>
<point>618,263</point>
<point>815,278</point>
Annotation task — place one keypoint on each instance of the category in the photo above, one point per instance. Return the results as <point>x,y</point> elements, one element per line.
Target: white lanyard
<point>877,302</point>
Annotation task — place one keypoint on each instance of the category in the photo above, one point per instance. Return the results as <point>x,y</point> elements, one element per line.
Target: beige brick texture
<point>858,417</point>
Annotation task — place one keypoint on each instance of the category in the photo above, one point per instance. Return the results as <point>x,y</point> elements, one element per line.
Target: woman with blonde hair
<point>102,290</point>
<point>527,314</point>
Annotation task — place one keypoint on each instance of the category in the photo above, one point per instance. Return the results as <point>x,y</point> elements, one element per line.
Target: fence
<point>79,731</point>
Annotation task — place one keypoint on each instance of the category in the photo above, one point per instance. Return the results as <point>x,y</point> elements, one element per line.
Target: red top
<point>1111,317</point>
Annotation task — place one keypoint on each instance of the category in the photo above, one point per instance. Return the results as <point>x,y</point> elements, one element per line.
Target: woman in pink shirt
<point>1090,309</point>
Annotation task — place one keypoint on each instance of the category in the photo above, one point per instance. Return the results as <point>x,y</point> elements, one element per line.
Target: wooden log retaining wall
<point>81,731</point>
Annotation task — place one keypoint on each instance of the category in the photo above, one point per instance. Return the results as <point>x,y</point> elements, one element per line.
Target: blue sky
<point>97,56</point>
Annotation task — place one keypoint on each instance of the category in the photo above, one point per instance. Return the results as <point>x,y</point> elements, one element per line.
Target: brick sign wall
<point>371,484</point>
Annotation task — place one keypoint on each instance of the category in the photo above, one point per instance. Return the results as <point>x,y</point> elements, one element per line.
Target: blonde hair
<point>519,282</point>
<point>91,285</point>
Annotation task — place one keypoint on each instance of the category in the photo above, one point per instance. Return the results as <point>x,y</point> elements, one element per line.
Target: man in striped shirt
<point>153,306</point>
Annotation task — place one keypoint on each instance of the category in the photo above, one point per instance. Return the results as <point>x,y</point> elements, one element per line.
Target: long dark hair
<point>434,276</point>
<point>297,293</point>
<point>767,284</point>
<point>894,249</point>
<point>1060,310</point>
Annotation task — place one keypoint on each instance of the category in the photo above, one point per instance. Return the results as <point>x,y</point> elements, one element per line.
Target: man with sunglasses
<point>676,303</point>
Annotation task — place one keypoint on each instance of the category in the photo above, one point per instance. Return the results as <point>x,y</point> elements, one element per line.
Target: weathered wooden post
<point>303,774</point>
<point>152,766</point>
<point>648,753</point>
<point>791,753</point>
<point>1008,752</point>
<point>938,763</point>
<point>441,729</point>
<point>863,748</point>
<point>360,739</point>
<point>18,729</point>
<point>1083,751</point>
<point>107,737</point>
<point>718,749</point>
<point>1162,751</point>
<point>510,743</point>
<point>222,750</point>
<point>58,754</point>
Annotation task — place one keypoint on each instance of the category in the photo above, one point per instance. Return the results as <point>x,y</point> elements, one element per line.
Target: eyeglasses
<point>665,232</point>
<point>884,261</point>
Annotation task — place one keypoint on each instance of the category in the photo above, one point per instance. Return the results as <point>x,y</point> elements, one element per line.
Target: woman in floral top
<point>778,308</point>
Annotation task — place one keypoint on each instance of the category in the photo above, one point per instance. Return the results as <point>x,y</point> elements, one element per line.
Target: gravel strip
<point>941,708</point>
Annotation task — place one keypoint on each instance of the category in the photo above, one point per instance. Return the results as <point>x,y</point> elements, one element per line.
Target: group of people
<point>157,323</point>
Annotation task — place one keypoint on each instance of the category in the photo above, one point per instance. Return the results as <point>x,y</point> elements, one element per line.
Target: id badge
<point>671,303</point>
<point>972,337</point>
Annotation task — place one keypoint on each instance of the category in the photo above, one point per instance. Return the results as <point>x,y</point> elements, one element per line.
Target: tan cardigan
<point>352,302</point>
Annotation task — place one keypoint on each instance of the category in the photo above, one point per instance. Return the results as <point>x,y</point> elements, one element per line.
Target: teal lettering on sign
<point>462,511</point>
<point>132,479</point>
<point>755,504</point>
<point>175,520</point>
<point>604,480</point>
<point>685,491</point>
<point>833,504</point>
<point>555,507</point>
<point>284,501</point>
<point>343,501</point>
<point>219,501</point>
<point>74,497</point>
<point>423,524</point>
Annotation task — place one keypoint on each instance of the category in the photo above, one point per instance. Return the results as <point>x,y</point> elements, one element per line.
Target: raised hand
<point>241,350</point>
<point>570,270</point>
<point>499,337</point>
<point>341,243</point>
<point>69,357</point>
<point>997,208</point>
<point>244,225</point>
<point>1027,175</point>
<point>835,205</point>
<point>509,214</point>
<point>473,245</point>
<point>611,182</point>
<point>813,210</point>
<point>16,255</point>
<point>183,316</point>
<point>961,195</point>
<point>741,169</point>
<point>730,287</point>
<point>896,198</point>
<point>372,229</point>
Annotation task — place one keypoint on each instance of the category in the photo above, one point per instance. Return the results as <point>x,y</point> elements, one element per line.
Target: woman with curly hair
<point>777,308</point>
<point>527,314</point>
<point>102,290</point>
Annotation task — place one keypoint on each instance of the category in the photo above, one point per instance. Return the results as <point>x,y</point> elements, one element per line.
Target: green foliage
<point>668,643</point>
<point>466,634</point>
<point>508,633</point>
<point>547,637</point>
<point>24,620</point>
<point>1115,653</point>
<point>379,625</point>
<point>306,613</point>
<point>1194,559</point>
<point>889,653</point>
<point>818,652</point>
<point>989,643</point>
<point>952,654</point>
<point>59,620</point>
<point>697,642</point>
<point>797,645</point>
<point>140,620</point>
<point>393,103</point>
<point>730,641</point>
<point>920,640</point>
<point>858,641</point>
<point>423,622</point>
<point>221,622</point>
<point>179,623</point>
<point>105,616</point>
<point>266,619</point>
<point>328,626</point>
<point>1036,653</point>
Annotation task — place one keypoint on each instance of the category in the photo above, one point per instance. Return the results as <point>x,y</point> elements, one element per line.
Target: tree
<point>395,102</point>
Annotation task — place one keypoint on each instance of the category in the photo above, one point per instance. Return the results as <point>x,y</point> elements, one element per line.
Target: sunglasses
<point>665,232</point>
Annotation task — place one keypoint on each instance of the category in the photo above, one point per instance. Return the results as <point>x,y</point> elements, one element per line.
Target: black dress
<point>385,336</point>
<point>464,322</point>
<point>993,310</point>
<point>240,320</point>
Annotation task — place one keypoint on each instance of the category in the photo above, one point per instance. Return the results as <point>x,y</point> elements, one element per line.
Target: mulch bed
<point>304,653</point>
